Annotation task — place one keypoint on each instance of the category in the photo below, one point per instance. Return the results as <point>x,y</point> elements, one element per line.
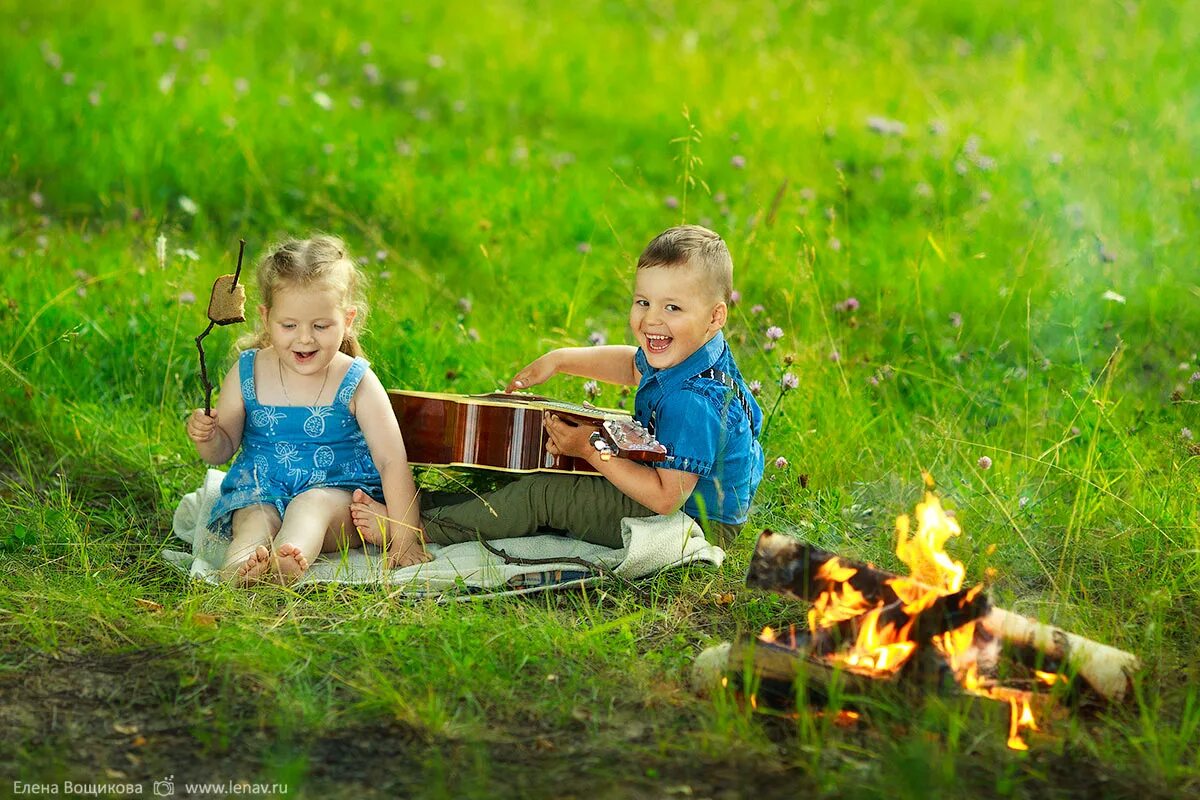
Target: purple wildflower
<point>757,309</point>
<point>464,305</point>
<point>671,201</point>
<point>735,297</point>
<point>955,319</point>
<point>597,338</point>
<point>781,463</point>
<point>789,381</point>
<point>984,462</point>
<point>187,298</point>
<point>738,162</point>
<point>835,356</point>
<point>755,388</point>
<point>774,333</point>
<point>583,247</point>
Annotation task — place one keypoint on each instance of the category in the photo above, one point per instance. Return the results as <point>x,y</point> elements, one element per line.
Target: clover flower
<point>781,463</point>
<point>789,381</point>
<point>738,162</point>
<point>755,387</point>
<point>774,333</point>
<point>984,462</point>
<point>597,338</point>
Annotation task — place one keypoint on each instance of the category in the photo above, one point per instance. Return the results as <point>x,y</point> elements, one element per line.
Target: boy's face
<point>675,312</point>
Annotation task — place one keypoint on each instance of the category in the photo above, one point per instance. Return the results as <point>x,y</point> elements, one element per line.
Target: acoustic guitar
<point>505,431</point>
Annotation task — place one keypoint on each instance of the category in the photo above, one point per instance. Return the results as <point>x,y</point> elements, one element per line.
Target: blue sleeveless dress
<point>287,450</point>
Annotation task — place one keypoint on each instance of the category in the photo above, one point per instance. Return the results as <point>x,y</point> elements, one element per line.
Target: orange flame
<point>1020,716</point>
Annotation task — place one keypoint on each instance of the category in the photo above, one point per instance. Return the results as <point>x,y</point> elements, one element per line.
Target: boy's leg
<point>723,534</point>
<point>248,558</point>
<point>316,521</point>
<point>582,506</point>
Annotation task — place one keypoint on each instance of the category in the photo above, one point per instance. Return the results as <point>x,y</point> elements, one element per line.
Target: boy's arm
<point>218,435</point>
<point>382,432</point>
<point>609,363</point>
<point>660,490</point>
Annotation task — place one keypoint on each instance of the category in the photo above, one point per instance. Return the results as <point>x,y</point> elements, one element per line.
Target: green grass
<point>1048,157</point>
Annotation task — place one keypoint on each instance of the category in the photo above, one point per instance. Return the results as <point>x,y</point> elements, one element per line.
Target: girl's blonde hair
<point>319,261</point>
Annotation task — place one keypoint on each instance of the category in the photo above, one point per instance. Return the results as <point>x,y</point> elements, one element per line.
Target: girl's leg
<point>247,560</point>
<point>316,521</point>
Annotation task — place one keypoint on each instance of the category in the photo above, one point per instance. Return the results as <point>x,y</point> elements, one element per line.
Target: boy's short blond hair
<point>694,245</point>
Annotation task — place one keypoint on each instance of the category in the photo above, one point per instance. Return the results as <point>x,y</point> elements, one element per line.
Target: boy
<point>690,396</point>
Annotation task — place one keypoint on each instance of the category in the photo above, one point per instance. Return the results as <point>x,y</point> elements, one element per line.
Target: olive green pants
<point>583,507</point>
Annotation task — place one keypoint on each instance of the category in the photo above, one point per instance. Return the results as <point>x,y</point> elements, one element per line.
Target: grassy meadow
<point>977,226</point>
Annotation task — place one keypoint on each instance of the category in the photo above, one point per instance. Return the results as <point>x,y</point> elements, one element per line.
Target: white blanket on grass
<point>650,544</point>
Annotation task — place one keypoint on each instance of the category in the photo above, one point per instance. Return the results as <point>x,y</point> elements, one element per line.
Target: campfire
<point>870,625</point>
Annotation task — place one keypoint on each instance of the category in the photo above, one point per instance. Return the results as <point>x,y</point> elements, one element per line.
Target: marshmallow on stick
<point>226,306</point>
<point>228,302</point>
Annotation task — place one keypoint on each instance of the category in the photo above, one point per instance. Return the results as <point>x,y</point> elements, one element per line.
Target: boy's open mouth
<point>304,358</point>
<point>658,344</point>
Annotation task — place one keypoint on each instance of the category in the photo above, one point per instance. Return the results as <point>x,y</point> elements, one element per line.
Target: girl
<point>313,423</point>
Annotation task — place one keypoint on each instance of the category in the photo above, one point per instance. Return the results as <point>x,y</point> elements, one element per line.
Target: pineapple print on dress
<point>322,459</point>
<point>315,424</point>
<point>266,417</point>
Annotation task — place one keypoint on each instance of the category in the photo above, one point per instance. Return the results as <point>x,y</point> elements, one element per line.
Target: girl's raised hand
<point>202,427</point>
<point>540,371</point>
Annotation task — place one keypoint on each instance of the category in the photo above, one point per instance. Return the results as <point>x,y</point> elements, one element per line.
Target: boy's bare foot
<point>369,516</point>
<point>256,568</point>
<point>291,562</point>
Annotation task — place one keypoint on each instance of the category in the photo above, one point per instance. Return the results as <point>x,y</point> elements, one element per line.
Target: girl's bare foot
<point>406,550</point>
<point>291,562</point>
<point>256,568</point>
<point>371,519</point>
<point>369,516</point>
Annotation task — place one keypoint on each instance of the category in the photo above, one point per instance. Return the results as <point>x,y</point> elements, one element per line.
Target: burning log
<point>793,568</point>
<point>778,668</point>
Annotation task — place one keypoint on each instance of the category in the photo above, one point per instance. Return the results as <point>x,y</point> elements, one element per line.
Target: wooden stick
<point>791,567</point>
<point>204,381</point>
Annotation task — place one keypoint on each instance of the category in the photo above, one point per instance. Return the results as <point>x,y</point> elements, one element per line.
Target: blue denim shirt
<point>707,429</point>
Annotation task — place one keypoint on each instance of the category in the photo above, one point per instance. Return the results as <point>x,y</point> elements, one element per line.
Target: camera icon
<point>165,787</point>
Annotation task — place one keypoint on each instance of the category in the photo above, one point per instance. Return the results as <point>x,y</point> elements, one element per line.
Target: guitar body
<point>493,431</point>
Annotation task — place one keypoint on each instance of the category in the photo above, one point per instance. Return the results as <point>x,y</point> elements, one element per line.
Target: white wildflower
<point>188,205</point>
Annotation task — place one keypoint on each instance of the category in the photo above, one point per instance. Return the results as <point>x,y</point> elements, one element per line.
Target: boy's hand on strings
<point>202,427</point>
<point>540,371</point>
<point>567,439</point>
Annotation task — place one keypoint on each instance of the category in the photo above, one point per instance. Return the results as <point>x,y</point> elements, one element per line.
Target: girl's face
<point>306,325</point>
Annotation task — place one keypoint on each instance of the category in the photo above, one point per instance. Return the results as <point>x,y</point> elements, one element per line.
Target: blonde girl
<point>313,424</point>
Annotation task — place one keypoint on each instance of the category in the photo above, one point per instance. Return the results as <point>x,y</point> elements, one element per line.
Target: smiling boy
<point>690,395</point>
